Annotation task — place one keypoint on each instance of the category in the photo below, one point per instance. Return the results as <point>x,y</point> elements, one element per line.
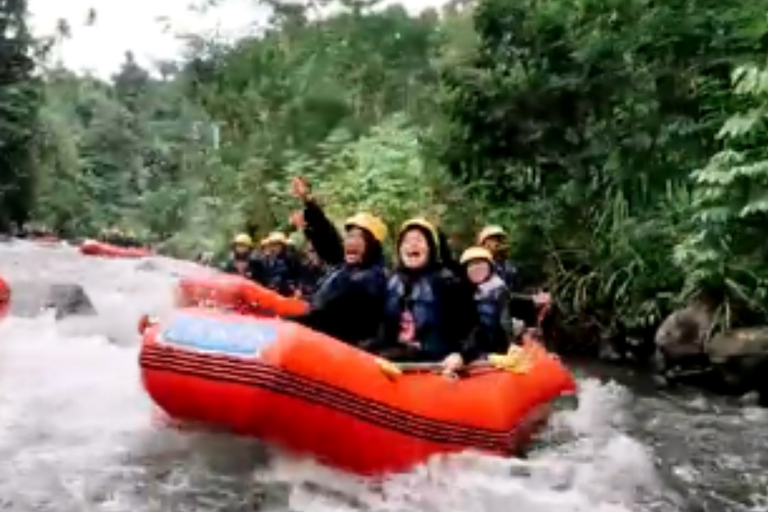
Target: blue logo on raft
<point>214,336</point>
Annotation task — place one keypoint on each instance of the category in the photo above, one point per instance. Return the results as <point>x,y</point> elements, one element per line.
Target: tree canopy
<point>619,142</point>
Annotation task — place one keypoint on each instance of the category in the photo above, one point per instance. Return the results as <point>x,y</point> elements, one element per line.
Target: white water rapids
<point>77,431</point>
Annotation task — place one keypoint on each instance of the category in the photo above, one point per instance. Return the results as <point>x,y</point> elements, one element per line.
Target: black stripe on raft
<point>287,385</point>
<point>228,364</point>
<point>248,367</point>
<point>255,373</point>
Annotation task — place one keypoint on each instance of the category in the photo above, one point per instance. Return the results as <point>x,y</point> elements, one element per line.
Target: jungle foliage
<point>622,143</point>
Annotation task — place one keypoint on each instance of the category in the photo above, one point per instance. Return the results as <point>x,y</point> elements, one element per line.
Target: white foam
<point>76,429</point>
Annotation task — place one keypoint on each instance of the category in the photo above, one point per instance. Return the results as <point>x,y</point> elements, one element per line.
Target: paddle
<point>516,360</point>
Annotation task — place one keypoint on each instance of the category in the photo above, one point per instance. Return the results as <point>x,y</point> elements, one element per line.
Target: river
<point>77,432</point>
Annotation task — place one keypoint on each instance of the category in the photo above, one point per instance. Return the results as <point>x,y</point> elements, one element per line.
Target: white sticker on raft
<point>210,335</point>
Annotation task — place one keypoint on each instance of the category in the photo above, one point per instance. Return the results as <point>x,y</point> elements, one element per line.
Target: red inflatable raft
<point>95,248</point>
<point>47,240</point>
<point>219,290</point>
<point>310,394</point>
<point>5,298</point>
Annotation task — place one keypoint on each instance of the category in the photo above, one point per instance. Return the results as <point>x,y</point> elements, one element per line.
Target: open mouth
<point>413,253</point>
<point>353,253</point>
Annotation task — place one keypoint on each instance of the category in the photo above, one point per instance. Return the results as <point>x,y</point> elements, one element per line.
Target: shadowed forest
<point>622,143</point>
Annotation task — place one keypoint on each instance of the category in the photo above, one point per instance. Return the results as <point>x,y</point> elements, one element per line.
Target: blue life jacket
<point>507,272</point>
<point>490,301</point>
<point>278,274</point>
<point>421,299</point>
<point>492,309</point>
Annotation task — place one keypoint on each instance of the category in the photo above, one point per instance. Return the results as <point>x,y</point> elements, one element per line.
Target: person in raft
<point>312,271</point>
<point>278,267</point>
<point>311,268</point>
<point>429,312</point>
<point>494,239</point>
<point>240,261</point>
<point>497,306</point>
<point>349,302</point>
<point>492,300</point>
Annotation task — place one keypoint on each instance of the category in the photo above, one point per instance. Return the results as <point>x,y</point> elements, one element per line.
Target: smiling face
<point>478,271</point>
<point>354,246</point>
<point>241,249</point>
<point>493,243</point>
<point>273,249</point>
<point>414,249</point>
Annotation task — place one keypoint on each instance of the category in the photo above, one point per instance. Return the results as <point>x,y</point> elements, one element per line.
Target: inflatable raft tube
<point>220,290</point>
<point>95,248</point>
<point>5,298</point>
<point>47,241</point>
<point>312,395</point>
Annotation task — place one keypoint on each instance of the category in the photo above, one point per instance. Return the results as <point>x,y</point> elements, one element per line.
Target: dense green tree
<point>605,135</point>
<point>590,115</point>
<point>19,102</point>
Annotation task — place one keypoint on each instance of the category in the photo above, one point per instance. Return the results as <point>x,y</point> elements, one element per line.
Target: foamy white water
<point>76,429</point>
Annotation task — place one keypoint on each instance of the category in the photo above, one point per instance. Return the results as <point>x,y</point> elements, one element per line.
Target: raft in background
<point>96,248</point>
<point>50,241</point>
<point>5,298</point>
<point>313,395</point>
<point>235,293</point>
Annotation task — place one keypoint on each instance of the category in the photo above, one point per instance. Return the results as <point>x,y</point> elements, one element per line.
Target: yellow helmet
<point>371,223</point>
<point>419,222</point>
<point>242,239</point>
<point>476,253</point>
<point>489,232</point>
<point>276,237</point>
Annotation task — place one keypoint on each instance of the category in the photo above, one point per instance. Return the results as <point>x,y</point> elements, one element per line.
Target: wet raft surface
<point>76,432</point>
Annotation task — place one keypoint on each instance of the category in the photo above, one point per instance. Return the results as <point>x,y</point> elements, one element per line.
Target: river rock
<point>740,357</point>
<point>67,299</point>
<point>684,333</point>
<point>680,345</point>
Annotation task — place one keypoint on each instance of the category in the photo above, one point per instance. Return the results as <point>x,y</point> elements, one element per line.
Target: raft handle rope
<point>516,360</point>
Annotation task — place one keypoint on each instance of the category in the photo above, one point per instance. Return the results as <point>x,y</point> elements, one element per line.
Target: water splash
<point>76,429</point>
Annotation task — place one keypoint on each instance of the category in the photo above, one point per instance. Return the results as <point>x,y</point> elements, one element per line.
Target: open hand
<point>542,299</point>
<point>297,220</point>
<point>300,188</point>
<point>452,364</point>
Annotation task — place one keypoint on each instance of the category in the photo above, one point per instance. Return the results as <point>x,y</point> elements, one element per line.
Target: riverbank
<point>683,349</point>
